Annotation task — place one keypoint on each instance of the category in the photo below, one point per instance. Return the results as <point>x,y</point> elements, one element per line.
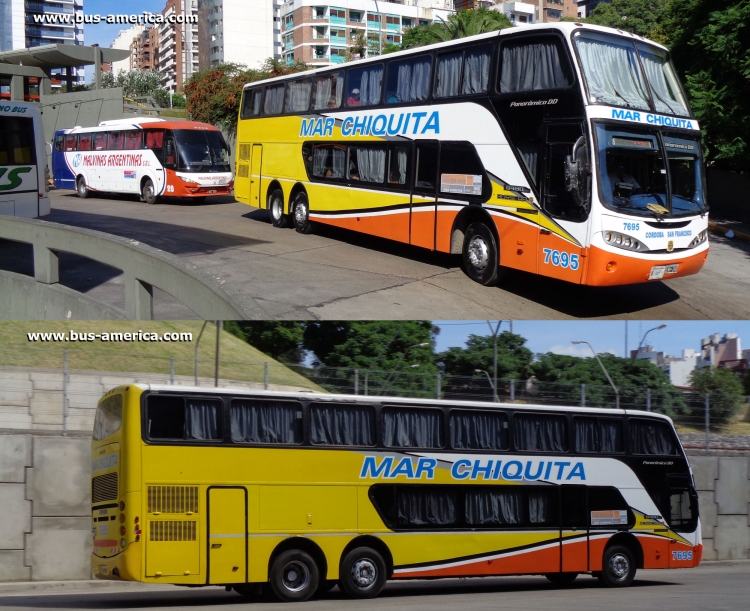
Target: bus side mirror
<point>578,174</point>
<point>170,148</point>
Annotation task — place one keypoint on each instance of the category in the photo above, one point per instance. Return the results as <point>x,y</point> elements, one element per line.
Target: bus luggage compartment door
<point>227,535</point>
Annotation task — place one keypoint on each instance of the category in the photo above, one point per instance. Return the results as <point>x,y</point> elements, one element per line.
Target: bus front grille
<point>173,499</point>
<point>172,530</point>
<point>104,488</point>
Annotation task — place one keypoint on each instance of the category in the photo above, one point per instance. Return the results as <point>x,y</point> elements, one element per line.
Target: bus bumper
<point>605,268</point>
<point>125,566</point>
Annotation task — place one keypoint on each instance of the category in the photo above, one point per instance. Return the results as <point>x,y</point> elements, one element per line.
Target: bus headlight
<point>620,240</point>
<point>190,180</point>
<point>699,239</point>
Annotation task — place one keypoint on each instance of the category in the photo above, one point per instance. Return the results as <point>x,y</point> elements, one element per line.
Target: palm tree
<point>466,23</point>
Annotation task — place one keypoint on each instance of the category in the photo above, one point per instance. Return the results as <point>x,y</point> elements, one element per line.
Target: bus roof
<point>566,27</point>
<point>330,397</point>
<point>138,123</point>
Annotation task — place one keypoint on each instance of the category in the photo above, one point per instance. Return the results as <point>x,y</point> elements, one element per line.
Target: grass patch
<point>238,360</point>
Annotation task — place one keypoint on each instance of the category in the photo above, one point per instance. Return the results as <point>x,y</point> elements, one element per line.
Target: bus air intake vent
<point>172,530</point>
<point>243,170</point>
<point>244,152</point>
<point>173,499</point>
<point>104,488</point>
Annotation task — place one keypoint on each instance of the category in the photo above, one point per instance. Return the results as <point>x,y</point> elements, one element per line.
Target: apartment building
<point>586,7</point>
<point>541,11</point>
<point>144,50</point>
<point>321,33</point>
<point>177,57</point>
<point>124,41</point>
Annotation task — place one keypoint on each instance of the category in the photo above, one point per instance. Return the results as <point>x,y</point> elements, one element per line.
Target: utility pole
<point>494,357</point>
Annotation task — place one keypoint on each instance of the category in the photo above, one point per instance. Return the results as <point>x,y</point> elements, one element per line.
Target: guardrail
<point>144,268</point>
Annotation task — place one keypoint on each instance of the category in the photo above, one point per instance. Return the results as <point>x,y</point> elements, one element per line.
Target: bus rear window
<point>108,419</point>
<point>17,141</point>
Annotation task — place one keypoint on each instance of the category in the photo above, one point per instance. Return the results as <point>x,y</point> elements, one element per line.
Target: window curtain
<point>665,98</point>
<point>411,428</point>
<point>403,156</point>
<point>339,162</point>
<point>325,92</point>
<point>413,80</point>
<point>342,426</point>
<point>203,419</point>
<point>541,507</point>
<point>448,75</point>
<point>533,66</point>
<point>651,438</point>
<point>612,73</point>
<point>256,101</point>
<point>371,164</point>
<point>587,438</point>
<point>529,152</point>
<point>274,100</point>
<point>422,507</point>
<point>298,97</point>
<point>476,71</point>
<point>370,85</point>
<point>259,421</point>
<point>478,431</point>
<point>610,436</point>
<point>495,508</point>
<point>320,160</point>
<point>540,433</point>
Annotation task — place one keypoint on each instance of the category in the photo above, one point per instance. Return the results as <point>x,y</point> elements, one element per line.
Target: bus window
<point>298,96</point>
<point>607,508</point>
<point>476,70</point>
<point>108,417</point>
<point>71,142</point>
<point>665,88</point>
<point>461,171</point>
<point>266,421</point>
<point>133,140</point>
<point>204,419</point>
<point>363,86</point>
<point>116,141</point>
<point>155,141</point>
<point>448,75</point>
<point>594,435</point>
<point>17,142</point>
<point>342,425</point>
<point>398,165</point>
<point>471,430</point>
<point>59,139</point>
<point>328,91</point>
<point>367,164</point>
<point>543,507</point>
<point>533,65</point>
<point>329,161</point>
<point>166,417</point>
<point>423,506</point>
<point>251,103</point>
<point>408,80</point>
<point>412,428</point>
<point>652,438</point>
<point>573,507</point>
<point>503,507</point>
<point>427,165</point>
<point>540,433</point>
<point>84,142</point>
<point>100,141</point>
<point>274,102</point>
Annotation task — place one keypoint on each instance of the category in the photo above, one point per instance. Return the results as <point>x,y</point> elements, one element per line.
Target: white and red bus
<point>148,156</point>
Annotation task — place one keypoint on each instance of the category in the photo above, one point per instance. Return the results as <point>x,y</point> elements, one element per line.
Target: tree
<point>513,357</point>
<point>135,83</point>
<point>281,340</point>
<point>640,17</point>
<point>458,25</point>
<point>725,391</point>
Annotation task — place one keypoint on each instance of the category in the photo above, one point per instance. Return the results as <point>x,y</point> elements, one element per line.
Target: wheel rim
<point>300,213</point>
<point>479,253</point>
<point>364,573</point>
<point>148,191</point>
<point>619,566</point>
<point>81,186</point>
<point>295,576</point>
<point>276,209</point>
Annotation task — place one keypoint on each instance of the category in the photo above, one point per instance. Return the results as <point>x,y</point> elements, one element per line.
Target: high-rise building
<point>586,7</point>
<point>322,33</point>
<point>144,50</point>
<point>124,41</point>
<point>178,45</point>
<point>554,10</point>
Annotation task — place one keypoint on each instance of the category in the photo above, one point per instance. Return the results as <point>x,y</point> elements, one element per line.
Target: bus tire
<point>561,579</point>
<point>480,254</point>
<point>276,209</point>
<point>301,213</point>
<point>81,188</point>
<point>618,567</point>
<point>363,573</point>
<point>148,192</point>
<point>294,576</point>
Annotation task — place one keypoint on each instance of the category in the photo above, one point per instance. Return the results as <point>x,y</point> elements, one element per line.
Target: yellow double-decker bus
<point>297,492</point>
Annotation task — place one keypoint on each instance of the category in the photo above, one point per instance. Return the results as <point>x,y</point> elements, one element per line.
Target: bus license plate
<point>659,271</point>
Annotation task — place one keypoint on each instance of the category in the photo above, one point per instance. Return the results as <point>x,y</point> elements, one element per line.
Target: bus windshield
<point>202,150</point>
<point>634,174</point>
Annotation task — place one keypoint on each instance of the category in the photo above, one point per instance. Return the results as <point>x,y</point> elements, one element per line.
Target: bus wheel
<point>618,567</point>
<point>81,188</point>
<point>276,209</point>
<point>480,254</point>
<point>294,576</point>
<point>148,192</point>
<point>561,579</point>
<point>302,214</point>
<point>362,573</point>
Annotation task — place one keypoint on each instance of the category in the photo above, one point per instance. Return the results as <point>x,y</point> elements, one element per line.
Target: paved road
<point>336,274</point>
<point>709,587</point>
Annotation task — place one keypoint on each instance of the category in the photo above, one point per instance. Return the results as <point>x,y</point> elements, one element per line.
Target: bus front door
<point>256,163</point>
<point>227,535</point>
<point>574,530</point>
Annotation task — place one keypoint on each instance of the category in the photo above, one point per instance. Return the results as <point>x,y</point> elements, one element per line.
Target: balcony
<point>522,8</point>
<point>38,7</point>
<point>47,33</point>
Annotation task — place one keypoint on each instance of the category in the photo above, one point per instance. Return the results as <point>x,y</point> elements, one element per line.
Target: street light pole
<point>492,386</point>
<point>494,357</point>
<point>606,373</point>
<point>643,339</point>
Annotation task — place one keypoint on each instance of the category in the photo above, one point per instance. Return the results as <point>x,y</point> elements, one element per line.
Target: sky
<point>604,335</point>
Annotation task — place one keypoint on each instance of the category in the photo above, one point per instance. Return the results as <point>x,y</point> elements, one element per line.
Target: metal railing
<point>143,267</point>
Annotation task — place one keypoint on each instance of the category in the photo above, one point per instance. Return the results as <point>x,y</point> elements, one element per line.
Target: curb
<point>720,229</point>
